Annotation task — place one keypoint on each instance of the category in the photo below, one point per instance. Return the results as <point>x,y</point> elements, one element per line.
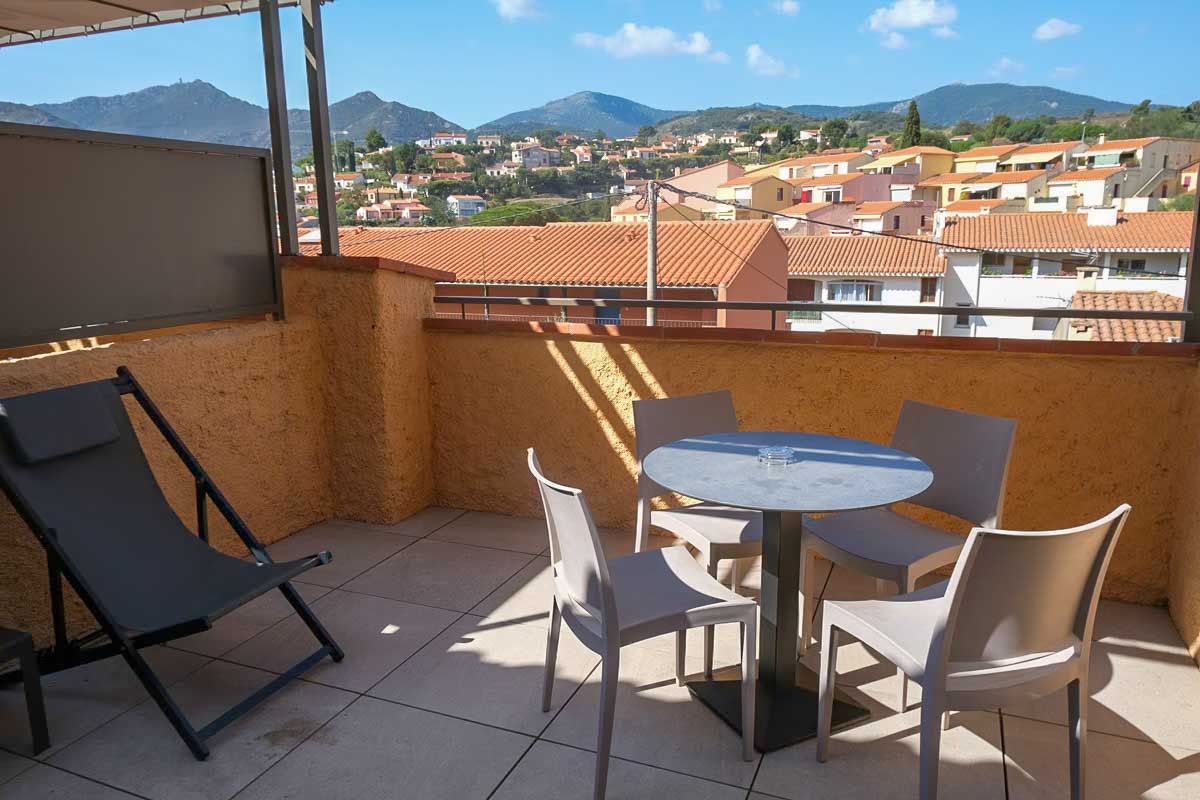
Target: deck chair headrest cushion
<point>59,422</point>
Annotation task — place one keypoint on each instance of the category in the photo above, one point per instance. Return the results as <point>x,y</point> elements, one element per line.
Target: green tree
<point>912,126</point>
<point>787,135</point>
<point>548,136</point>
<point>599,135</point>
<point>965,127</point>
<point>406,156</point>
<point>344,156</point>
<point>1180,202</point>
<point>1141,109</point>
<point>647,132</point>
<point>374,140</point>
<point>997,128</point>
<point>935,138</point>
<point>834,131</point>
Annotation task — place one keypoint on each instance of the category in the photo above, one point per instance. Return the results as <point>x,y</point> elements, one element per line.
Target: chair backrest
<point>71,463</point>
<point>659,422</point>
<point>1016,594</point>
<point>580,569</point>
<point>968,453</point>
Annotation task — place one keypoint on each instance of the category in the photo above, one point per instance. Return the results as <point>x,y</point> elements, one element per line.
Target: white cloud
<point>763,63</point>
<point>1005,66</point>
<point>789,7</point>
<point>906,14</point>
<point>515,9</point>
<point>1067,73</point>
<point>632,40</point>
<point>1055,28</point>
<point>888,21</point>
<point>711,6</point>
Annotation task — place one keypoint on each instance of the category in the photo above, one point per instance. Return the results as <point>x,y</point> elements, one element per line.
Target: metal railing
<point>817,307</point>
<point>489,317</point>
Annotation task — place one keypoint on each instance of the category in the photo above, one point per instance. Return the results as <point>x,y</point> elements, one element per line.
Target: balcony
<point>362,424</point>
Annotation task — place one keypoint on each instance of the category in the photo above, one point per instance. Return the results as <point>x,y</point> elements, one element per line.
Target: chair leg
<point>1077,703</point>
<point>828,678</point>
<point>642,533</point>
<point>806,602</point>
<point>907,583</point>
<point>734,585</point>
<point>931,744</point>
<point>165,702</point>
<point>310,619</point>
<point>708,630</point>
<point>609,668</point>
<point>749,672</point>
<point>551,655</point>
<point>35,705</point>
<point>680,657</point>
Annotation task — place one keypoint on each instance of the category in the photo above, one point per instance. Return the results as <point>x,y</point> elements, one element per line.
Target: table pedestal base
<point>783,717</point>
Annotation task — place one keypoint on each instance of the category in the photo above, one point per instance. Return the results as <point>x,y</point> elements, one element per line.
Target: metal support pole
<point>652,252</point>
<point>1191,291</point>
<point>318,107</point>
<point>277,111</point>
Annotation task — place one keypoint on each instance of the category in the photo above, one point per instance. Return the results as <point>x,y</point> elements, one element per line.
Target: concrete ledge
<point>364,264</point>
<point>828,338</point>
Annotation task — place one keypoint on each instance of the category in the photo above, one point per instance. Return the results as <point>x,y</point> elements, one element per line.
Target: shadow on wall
<point>1078,452</point>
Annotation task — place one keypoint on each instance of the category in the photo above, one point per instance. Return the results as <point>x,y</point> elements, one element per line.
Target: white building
<point>489,140</point>
<point>447,139</point>
<point>1034,261</point>
<point>534,156</point>
<point>465,205</point>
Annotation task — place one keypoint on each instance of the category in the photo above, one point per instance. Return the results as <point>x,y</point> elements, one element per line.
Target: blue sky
<point>474,60</point>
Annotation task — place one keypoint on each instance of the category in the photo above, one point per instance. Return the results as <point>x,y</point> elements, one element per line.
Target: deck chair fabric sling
<point>72,466</point>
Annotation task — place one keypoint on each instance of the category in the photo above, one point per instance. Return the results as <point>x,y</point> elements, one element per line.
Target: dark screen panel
<point>102,233</point>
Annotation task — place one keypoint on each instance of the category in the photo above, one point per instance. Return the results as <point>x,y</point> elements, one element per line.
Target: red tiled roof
<point>962,206</point>
<point>1076,175</point>
<point>874,208</point>
<point>921,150</point>
<point>1045,147</point>
<point>1128,330</point>
<point>1018,176</point>
<point>748,180</point>
<point>803,209</point>
<point>863,254</point>
<point>827,180</point>
<point>951,178</point>
<point>986,153</point>
<point>1042,232</point>
<point>1122,144</point>
<point>569,253</point>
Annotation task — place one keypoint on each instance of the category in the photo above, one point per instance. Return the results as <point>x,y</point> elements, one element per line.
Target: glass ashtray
<point>776,456</point>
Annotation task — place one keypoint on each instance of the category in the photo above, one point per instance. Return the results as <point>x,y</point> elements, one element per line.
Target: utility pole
<point>652,252</point>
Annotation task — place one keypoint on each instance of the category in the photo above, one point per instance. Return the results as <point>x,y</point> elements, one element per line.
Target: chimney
<point>1102,217</point>
<point>1085,277</point>
<point>1101,138</point>
<point>939,224</point>
<point>678,171</point>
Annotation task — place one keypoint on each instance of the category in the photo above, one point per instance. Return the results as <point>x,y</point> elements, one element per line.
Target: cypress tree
<point>912,126</point>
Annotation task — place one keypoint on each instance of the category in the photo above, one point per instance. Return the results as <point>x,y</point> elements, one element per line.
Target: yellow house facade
<point>756,190</point>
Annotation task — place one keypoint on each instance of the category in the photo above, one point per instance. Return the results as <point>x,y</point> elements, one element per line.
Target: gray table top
<point>829,473</point>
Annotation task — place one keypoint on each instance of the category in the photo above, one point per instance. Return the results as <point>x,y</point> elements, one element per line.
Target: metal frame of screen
<point>11,277</point>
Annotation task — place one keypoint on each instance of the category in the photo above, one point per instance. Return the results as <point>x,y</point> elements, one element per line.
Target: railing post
<point>1191,291</point>
<point>652,252</point>
<point>281,148</point>
<point>318,108</point>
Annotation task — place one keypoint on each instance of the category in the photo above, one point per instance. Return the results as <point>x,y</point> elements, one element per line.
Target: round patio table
<point>826,473</point>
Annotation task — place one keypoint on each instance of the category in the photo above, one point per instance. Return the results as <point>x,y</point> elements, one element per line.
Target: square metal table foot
<point>783,716</point>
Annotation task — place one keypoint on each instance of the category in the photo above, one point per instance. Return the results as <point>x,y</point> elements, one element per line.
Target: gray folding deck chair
<point>72,466</point>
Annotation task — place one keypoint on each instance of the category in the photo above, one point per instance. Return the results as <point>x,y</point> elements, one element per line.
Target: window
<point>962,320</point>
<point>895,222</point>
<point>950,194</point>
<point>855,292</point>
<point>1116,190</point>
<point>929,287</point>
<point>1131,264</point>
<point>834,196</point>
<point>779,194</point>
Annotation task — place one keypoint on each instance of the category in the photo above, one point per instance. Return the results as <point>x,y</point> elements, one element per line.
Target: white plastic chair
<point>718,532</point>
<point>1013,623</point>
<point>611,604</point>
<point>969,455</point>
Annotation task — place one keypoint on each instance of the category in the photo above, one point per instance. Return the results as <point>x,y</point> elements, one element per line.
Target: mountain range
<point>197,110</point>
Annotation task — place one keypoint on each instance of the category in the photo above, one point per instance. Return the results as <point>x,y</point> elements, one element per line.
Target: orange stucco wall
<point>325,414</point>
<point>1082,445</point>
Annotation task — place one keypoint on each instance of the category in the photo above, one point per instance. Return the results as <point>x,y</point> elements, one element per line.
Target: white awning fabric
<point>29,21</point>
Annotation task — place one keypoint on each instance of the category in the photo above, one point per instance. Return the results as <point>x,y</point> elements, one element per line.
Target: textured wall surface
<point>1092,431</point>
<point>1184,585</point>
<point>245,399</point>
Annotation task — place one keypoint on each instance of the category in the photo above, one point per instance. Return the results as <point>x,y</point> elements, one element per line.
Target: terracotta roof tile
<point>949,178</point>
<point>748,180</point>
<point>1044,232</point>
<point>961,206</point>
<point>863,255</point>
<point>1045,147</point>
<point>921,150</point>
<point>1076,175</point>
<point>1018,176</point>
<point>986,153</point>
<point>1113,145</point>
<point>1128,330</point>
<point>568,253</point>
<point>801,209</point>
<point>827,180</point>
<point>874,208</point>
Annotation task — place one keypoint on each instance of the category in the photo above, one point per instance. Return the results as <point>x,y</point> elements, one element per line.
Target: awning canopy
<point>1032,158</point>
<point>28,21</point>
<point>888,161</point>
